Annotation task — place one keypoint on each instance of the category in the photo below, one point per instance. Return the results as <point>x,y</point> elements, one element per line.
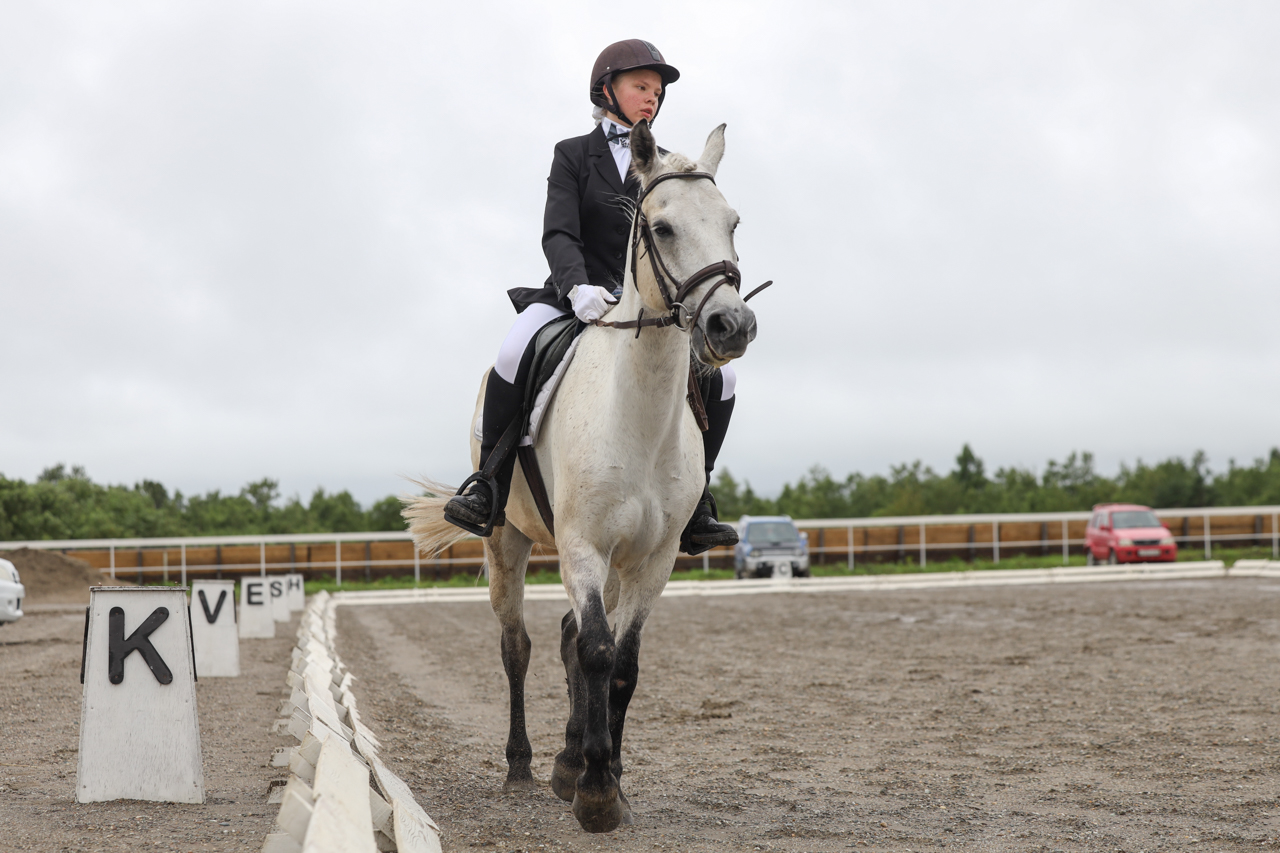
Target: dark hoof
<point>517,784</point>
<point>564,779</point>
<point>602,813</point>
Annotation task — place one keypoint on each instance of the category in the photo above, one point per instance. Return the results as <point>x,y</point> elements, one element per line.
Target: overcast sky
<point>248,239</point>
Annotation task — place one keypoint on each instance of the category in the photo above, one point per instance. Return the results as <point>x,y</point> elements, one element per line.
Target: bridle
<point>680,316</point>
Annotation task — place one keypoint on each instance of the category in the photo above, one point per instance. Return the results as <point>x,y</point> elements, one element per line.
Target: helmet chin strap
<point>616,109</point>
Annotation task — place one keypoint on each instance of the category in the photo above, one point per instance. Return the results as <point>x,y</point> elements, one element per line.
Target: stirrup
<point>692,548</point>
<point>497,518</point>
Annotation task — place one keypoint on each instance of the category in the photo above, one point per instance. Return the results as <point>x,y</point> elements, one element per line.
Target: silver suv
<point>769,546</point>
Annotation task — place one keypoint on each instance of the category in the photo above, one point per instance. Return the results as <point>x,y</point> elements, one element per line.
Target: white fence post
<point>262,559</point>
<point>922,546</point>
<point>995,542</point>
<point>417,567</point>
<point>184,563</point>
<point>1275,536</point>
<point>1065,553</point>
<point>1208,547</point>
<point>113,562</point>
<point>850,543</point>
<point>337,561</point>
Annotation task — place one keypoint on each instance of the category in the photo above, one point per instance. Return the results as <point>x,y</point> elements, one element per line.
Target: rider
<point>585,231</point>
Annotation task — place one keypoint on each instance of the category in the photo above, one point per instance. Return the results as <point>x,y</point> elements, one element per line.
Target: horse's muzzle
<point>727,331</point>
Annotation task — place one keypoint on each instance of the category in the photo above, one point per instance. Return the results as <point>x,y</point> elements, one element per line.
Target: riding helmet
<point>629,55</point>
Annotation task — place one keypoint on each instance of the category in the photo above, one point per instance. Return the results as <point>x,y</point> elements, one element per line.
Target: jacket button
<point>618,255</point>
<point>621,230</point>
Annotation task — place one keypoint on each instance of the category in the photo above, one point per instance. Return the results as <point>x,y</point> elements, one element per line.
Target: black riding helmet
<point>629,55</point>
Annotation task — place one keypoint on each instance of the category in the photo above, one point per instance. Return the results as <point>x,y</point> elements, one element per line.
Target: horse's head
<point>690,232</point>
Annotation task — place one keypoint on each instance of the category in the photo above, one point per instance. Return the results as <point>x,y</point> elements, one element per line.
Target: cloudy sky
<point>248,239</point>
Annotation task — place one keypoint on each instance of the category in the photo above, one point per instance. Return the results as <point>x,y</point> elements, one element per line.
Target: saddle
<point>553,348</point>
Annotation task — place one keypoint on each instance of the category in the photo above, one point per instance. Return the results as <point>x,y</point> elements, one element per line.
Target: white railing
<point>1207,537</point>
<point>1058,520</point>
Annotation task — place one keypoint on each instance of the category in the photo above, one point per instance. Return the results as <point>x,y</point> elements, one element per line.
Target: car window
<point>1094,522</point>
<point>1135,518</point>
<point>772,533</point>
<point>1102,519</point>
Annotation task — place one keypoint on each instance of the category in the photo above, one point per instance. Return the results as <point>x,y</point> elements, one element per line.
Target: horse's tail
<point>425,514</point>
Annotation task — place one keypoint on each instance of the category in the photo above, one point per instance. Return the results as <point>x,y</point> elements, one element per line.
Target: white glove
<point>590,302</point>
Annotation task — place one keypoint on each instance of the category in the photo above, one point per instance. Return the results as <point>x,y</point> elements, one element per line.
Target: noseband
<point>680,317</point>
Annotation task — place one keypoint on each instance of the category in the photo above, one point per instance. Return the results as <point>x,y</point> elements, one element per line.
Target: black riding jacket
<point>586,223</point>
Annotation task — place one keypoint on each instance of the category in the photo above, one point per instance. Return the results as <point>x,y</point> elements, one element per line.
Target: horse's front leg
<point>626,671</point>
<point>597,803</point>
<point>507,551</point>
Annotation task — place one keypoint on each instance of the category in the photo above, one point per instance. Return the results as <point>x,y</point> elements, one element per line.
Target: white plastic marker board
<point>256,621</point>
<point>139,731</point>
<point>295,592</point>
<point>279,603</point>
<point>213,629</point>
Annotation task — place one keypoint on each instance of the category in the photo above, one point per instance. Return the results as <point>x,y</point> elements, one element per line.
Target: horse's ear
<point>644,151</point>
<point>711,154</point>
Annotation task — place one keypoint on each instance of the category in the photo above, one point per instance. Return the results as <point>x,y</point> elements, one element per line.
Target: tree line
<point>64,503</point>
<point>1073,484</point>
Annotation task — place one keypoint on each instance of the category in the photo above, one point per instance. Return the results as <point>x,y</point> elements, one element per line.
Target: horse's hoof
<point>564,779</point>
<point>520,784</point>
<point>600,814</point>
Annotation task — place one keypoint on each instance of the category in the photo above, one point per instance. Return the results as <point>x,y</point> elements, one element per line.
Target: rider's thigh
<point>527,324</point>
<point>730,379</point>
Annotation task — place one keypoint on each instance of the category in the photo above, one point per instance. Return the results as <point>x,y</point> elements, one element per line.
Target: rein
<point>680,316</point>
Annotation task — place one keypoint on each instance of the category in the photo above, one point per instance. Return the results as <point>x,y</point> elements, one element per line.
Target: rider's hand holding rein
<point>590,302</point>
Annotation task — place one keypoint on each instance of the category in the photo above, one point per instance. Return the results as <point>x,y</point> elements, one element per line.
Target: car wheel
<point>1112,559</point>
<point>1088,558</point>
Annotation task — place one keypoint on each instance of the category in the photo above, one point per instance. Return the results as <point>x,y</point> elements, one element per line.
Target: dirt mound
<point>53,578</point>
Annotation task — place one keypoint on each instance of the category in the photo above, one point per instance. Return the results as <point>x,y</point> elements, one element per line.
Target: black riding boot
<point>503,403</point>
<point>704,530</point>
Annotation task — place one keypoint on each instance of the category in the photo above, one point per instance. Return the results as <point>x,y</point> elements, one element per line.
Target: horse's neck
<point>651,370</point>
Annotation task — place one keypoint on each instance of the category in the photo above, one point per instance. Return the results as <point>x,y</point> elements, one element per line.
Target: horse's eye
<point>662,229</point>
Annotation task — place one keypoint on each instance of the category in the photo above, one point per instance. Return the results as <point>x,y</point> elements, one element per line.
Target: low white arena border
<point>860,583</point>
<point>327,805</point>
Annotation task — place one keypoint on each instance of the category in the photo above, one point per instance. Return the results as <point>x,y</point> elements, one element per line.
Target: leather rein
<point>726,271</point>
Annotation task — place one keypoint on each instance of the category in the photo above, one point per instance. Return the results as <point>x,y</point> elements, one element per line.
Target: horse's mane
<point>675,162</point>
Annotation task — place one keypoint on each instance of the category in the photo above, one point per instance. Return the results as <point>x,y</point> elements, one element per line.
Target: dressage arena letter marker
<point>279,603</point>
<point>294,592</point>
<point>213,629</point>
<point>139,731</point>
<point>255,610</point>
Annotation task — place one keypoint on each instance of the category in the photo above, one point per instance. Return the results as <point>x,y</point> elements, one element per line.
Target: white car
<point>11,593</point>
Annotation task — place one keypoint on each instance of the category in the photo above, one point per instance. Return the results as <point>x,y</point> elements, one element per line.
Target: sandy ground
<point>1108,717</point>
<point>39,741</point>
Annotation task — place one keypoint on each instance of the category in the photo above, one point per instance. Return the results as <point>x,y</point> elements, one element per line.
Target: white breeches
<point>539,314</point>
<point>527,324</point>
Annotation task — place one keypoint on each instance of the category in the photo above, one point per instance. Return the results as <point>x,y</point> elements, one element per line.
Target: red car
<point>1127,533</point>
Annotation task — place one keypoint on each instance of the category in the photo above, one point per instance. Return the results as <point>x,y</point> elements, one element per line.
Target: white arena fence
<point>901,538</point>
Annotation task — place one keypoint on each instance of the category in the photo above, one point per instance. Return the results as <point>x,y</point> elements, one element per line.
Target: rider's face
<point>637,93</point>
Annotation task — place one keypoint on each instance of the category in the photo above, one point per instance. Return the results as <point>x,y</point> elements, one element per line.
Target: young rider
<point>586,227</point>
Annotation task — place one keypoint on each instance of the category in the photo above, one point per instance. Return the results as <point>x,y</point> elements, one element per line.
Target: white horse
<point>622,460</point>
